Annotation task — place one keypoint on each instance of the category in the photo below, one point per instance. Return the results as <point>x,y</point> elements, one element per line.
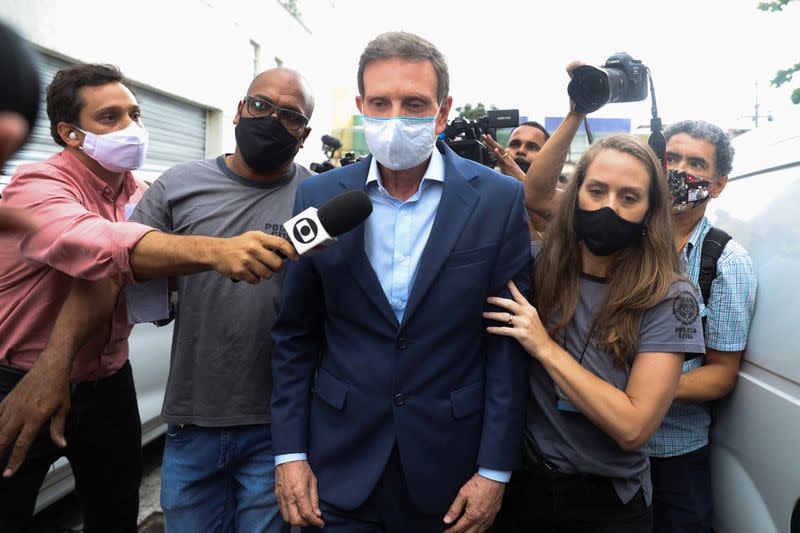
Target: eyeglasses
<point>259,108</point>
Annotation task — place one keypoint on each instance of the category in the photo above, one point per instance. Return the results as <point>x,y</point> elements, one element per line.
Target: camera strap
<point>657,141</point>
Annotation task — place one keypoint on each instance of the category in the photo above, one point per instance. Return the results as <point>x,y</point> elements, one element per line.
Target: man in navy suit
<point>393,409</point>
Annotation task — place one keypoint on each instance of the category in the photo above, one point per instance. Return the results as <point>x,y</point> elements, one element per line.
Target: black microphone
<point>312,230</point>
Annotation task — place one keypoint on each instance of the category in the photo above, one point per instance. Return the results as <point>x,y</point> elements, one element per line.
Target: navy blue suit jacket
<point>350,382</point>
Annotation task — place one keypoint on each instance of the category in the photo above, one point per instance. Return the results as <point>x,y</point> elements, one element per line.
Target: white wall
<point>198,50</point>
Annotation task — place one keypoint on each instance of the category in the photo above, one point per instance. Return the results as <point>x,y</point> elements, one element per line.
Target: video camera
<point>349,158</point>
<point>329,146</point>
<point>621,79</point>
<point>463,136</point>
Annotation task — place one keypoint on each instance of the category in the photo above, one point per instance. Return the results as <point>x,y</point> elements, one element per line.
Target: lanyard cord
<point>585,344</point>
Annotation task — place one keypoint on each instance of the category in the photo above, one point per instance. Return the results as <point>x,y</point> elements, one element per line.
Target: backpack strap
<point>713,245</point>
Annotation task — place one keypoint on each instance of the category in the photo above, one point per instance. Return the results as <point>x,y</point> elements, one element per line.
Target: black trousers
<point>539,502</point>
<point>103,433</point>
<point>682,501</point>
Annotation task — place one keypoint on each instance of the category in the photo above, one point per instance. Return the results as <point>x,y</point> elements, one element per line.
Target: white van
<point>756,433</point>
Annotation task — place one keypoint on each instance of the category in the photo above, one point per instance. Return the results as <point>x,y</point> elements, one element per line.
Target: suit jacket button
<point>399,399</point>
<point>402,343</point>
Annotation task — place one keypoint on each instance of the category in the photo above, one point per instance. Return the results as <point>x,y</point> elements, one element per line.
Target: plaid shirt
<point>728,315</point>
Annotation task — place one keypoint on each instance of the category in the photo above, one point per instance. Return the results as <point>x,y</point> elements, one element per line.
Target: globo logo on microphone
<point>305,230</point>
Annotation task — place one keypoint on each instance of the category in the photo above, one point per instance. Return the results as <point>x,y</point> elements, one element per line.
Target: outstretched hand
<point>508,166</point>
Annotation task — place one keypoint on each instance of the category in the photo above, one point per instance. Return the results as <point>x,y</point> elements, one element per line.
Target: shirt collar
<point>697,235</point>
<point>434,172</point>
<point>73,164</point>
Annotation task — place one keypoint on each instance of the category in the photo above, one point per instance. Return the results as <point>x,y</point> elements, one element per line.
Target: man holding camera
<point>393,409</point>
<point>699,157</point>
<point>524,145</point>
<point>522,149</point>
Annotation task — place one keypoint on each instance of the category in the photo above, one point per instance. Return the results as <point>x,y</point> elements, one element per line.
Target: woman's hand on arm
<point>629,417</point>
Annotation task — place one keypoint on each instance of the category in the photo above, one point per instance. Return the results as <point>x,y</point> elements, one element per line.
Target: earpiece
<point>72,135</point>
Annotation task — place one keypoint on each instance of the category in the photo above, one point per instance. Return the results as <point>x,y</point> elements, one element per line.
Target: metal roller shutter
<point>177,128</point>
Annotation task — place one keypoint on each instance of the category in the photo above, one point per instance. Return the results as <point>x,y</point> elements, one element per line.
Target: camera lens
<point>589,88</point>
<point>617,85</point>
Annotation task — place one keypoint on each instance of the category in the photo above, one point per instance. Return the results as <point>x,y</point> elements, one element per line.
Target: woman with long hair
<point>607,328</point>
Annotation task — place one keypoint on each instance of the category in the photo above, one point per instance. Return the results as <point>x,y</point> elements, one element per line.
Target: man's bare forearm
<point>89,306</point>
<point>251,256</point>
<point>159,255</point>
<point>712,381</point>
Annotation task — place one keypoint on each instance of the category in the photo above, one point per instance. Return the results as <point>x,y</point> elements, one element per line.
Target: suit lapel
<point>458,201</point>
<point>352,247</point>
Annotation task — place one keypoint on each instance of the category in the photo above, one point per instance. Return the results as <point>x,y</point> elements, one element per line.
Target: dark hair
<point>534,124</point>
<point>408,46</point>
<point>700,129</point>
<point>63,102</point>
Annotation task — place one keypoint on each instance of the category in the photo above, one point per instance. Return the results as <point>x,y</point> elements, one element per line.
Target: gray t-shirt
<point>220,370</point>
<point>571,441</point>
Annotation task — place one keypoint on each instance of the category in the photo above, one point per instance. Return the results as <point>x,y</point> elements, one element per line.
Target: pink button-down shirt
<point>83,234</point>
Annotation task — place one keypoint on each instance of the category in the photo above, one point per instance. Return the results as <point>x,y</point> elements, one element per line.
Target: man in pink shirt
<point>81,198</point>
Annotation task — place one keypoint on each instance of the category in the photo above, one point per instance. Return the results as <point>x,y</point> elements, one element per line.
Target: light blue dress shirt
<point>395,235</point>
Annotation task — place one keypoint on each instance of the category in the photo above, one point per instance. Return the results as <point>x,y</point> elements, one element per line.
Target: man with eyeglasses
<point>218,468</point>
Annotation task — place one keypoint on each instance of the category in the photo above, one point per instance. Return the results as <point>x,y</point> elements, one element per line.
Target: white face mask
<point>400,143</point>
<point>117,151</point>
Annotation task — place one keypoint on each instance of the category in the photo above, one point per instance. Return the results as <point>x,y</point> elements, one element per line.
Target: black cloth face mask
<point>604,232</point>
<point>265,144</point>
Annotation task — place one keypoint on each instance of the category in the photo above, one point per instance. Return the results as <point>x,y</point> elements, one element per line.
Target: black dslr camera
<point>463,136</point>
<point>621,79</point>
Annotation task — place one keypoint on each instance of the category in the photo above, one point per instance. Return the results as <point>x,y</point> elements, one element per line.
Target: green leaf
<point>796,96</point>
<point>471,112</point>
<point>776,5</point>
<point>784,75</point>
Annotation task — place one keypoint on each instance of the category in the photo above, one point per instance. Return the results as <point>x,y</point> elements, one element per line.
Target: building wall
<point>197,50</point>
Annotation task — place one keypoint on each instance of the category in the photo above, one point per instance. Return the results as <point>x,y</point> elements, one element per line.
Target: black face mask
<point>265,144</point>
<point>604,232</point>
<point>522,164</point>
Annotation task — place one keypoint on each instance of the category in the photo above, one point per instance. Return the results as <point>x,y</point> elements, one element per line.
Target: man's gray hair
<point>700,129</point>
<point>407,46</point>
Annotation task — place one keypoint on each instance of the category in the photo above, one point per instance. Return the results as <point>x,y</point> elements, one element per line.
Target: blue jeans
<point>220,479</point>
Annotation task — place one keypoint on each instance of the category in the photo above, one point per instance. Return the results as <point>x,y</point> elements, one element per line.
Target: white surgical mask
<point>400,143</point>
<point>117,151</point>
